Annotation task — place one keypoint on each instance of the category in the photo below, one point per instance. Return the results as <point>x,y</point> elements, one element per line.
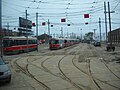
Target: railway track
<point>89,73</point>
<point>61,73</point>
<point>26,72</point>
<point>58,57</point>
<point>103,61</point>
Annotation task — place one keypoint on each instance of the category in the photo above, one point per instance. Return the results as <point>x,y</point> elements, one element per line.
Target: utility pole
<point>81,34</point>
<point>7,26</point>
<point>37,28</point>
<point>94,34</point>
<point>61,32</point>
<point>48,30</point>
<point>105,21</point>
<point>100,27</point>
<point>1,34</point>
<point>37,25</point>
<point>109,25</point>
<point>0,15</point>
<point>26,29</point>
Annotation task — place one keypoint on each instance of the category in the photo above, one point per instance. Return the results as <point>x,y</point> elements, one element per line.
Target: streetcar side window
<point>12,43</point>
<point>32,41</point>
<point>60,41</point>
<point>65,41</point>
<point>21,42</point>
<point>6,43</point>
<point>56,41</point>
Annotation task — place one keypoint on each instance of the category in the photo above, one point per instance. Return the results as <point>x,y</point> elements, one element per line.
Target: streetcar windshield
<point>54,41</point>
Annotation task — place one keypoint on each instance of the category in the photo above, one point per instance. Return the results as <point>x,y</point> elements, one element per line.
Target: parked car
<point>5,72</point>
<point>110,47</point>
<point>97,43</point>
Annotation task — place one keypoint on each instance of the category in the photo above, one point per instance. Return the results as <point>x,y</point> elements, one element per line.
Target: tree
<point>89,36</point>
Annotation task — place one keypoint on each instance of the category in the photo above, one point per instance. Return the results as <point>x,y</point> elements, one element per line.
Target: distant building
<point>44,37</point>
<point>23,32</point>
<point>5,32</point>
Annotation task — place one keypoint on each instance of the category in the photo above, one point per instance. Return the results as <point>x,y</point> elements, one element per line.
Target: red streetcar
<point>57,43</point>
<point>13,45</point>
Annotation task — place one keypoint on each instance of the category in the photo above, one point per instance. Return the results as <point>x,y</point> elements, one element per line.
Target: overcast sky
<point>54,10</point>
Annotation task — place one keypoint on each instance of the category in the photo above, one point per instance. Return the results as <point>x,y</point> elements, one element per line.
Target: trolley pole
<point>1,34</point>
<point>37,29</point>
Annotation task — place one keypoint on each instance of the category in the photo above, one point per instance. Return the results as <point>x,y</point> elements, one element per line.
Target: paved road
<point>82,67</point>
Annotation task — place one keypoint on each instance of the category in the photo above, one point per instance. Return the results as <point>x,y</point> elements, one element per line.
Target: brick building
<point>115,36</point>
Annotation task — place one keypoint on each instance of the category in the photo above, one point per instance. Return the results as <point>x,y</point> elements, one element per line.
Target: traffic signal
<point>63,20</point>
<point>86,23</point>
<point>51,25</point>
<point>86,15</point>
<point>33,24</point>
<point>68,24</point>
<point>43,23</point>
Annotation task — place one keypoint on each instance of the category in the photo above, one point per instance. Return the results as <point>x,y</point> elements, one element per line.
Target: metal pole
<point>37,28</point>
<point>109,25</point>
<point>81,34</point>
<point>94,34</point>
<point>48,30</point>
<point>0,14</point>
<point>67,34</point>
<point>61,32</point>
<point>8,28</point>
<point>26,30</point>
<point>100,28</point>
<point>1,32</point>
<point>105,21</point>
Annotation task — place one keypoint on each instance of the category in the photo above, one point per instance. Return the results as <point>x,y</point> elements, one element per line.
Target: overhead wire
<point>69,14</point>
<point>12,4</point>
<point>116,5</point>
<point>13,8</point>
